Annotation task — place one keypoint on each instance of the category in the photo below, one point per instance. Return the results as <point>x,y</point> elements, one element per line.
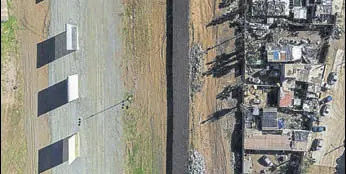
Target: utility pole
<point>128,99</point>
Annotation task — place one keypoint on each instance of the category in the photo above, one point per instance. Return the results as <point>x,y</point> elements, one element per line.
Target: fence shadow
<point>52,155</point>
<point>52,97</point>
<point>52,49</point>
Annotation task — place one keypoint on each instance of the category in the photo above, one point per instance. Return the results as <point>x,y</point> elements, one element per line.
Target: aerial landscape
<point>173,86</point>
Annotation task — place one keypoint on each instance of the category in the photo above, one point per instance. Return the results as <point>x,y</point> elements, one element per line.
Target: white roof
<point>296,53</point>
<point>73,148</point>
<point>72,87</point>
<point>72,37</point>
<point>299,12</point>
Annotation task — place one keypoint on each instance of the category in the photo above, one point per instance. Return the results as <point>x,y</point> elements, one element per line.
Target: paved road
<point>98,65</point>
<point>178,111</point>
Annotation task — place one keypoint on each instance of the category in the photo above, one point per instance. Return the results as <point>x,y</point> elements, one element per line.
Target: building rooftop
<point>270,8</point>
<point>267,142</point>
<point>269,119</point>
<point>299,12</point>
<point>284,142</point>
<point>304,73</point>
<point>276,53</point>
<point>286,98</point>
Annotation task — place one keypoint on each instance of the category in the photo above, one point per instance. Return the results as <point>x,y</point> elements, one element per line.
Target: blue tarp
<point>281,123</point>
<point>276,55</point>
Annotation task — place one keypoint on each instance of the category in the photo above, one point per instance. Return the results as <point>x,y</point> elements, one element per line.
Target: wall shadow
<point>38,1</point>
<point>340,164</point>
<point>169,80</point>
<point>52,155</point>
<point>52,97</point>
<point>237,143</point>
<point>52,49</point>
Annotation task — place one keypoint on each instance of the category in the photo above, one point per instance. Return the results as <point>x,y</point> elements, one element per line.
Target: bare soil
<point>335,135</point>
<point>33,20</point>
<point>211,139</point>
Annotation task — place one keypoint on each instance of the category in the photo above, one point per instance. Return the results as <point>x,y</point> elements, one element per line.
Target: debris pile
<point>196,164</point>
<point>196,65</point>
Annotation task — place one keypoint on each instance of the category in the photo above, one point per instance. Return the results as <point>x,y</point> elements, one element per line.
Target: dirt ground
<point>32,21</point>
<point>335,135</point>
<point>21,132</point>
<point>316,169</point>
<point>211,139</point>
<point>333,138</point>
<point>144,68</point>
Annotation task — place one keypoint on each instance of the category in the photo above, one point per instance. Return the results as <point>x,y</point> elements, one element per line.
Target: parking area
<point>97,63</point>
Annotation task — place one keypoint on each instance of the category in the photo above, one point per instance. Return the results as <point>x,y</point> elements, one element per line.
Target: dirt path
<point>335,134</point>
<point>32,20</point>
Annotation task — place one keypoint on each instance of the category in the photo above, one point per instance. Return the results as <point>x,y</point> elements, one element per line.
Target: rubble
<point>196,67</point>
<point>196,163</point>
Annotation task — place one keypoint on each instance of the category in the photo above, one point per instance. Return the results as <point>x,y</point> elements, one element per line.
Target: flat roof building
<point>280,54</point>
<point>286,98</point>
<point>293,140</point>
<point>269,119</point>
<point>299,12</point>
<point>304,73</point>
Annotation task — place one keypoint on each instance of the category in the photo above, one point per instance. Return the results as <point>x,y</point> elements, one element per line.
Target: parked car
<point>332,78</point>
<point>326,100</point>
<point>325,87</point>
<point>255,80</point>
<point>318,128</point>
<point>266,161</point>
<point>317,144</point>
<point>325,109</point>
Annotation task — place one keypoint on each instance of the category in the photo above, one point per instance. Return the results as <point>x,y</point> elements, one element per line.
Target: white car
<point>255,80</point>
<point>325,110</point>
<point>332,78</point>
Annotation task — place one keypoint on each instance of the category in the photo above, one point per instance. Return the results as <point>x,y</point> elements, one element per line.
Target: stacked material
<point>196,64</point>
<point>196,164</point>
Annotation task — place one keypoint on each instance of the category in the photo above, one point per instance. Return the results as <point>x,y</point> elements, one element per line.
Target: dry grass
<point>144,75</point>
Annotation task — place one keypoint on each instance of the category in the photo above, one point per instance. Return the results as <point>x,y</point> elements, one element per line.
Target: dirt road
<point>32,21</point>
<point>335,135</point>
